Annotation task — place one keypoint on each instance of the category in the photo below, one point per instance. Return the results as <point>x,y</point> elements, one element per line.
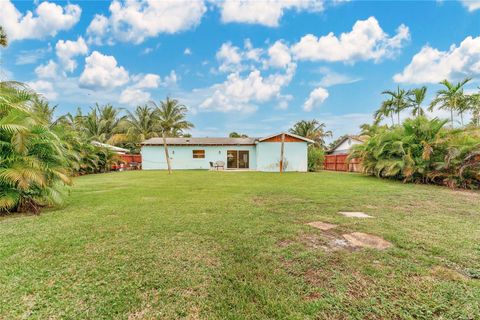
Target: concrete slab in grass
<point>354,214</point>
<point>322,225</point>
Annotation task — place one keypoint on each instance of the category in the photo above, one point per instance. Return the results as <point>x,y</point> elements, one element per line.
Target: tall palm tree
<point>3,44</point>
<point>415,99</point>
<point>449,98</point>
<point>43,111</point>
<point>138,126</point>
<point>3,38</point>
<point>385,110</point>
<point>474,106</point>
<point>171,121</point>
<point>313,130</point>
<point>398,100</point>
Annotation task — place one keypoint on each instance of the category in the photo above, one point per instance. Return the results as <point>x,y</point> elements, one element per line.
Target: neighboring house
<point>261,154</point>
<point>345,145</point>
<point>336,158</point>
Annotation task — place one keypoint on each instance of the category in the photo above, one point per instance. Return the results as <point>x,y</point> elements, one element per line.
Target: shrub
<point>315,158</point>
<point>423,150</point>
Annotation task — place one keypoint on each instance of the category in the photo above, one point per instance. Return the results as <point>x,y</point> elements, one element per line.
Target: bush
<point>315,158</point>
<point>423,150</point>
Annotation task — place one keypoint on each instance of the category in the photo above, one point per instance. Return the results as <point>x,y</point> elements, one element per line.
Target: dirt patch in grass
<point>364,240</point>
<point>324,226</point>
<point>444,273</point>
<point>327,241</point>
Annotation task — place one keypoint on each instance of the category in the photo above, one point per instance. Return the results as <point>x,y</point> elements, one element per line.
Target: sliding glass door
<point>238,159</point>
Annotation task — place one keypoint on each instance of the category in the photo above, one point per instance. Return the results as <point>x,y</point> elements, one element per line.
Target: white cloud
<point>98,29</point>
<point>331,78</point>
<point>32,56</point>
<point>101,72</point>
<point>431,65</point>
<point>171,79</point>
<point>229,57</point>
<point>148,80</point>
<point>132,96</point>
<point>279,55</point>
<point>316,97</point>
<point>47,20</point>
<point>44,88</point>
<point>366,41</point>
<point>242,94</point>
<point>187,51</point>
<point>50,70</point>
<point>471,5</point>
<point>265,12</point>
<point>135,20</point>
<point>66,50</point>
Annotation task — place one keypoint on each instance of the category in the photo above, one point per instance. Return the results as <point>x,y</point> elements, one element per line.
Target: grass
<point>210,245</point>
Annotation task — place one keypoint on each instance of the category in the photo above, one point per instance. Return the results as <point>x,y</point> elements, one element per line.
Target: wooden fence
<point>340,162</point>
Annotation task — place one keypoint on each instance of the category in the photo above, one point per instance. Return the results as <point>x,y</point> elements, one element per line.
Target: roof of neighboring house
<point>353,137</point>
<point>215,141</point>
<point>110,147</point>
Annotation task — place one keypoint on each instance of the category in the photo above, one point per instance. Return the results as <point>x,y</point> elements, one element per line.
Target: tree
<point>42,110</point>
<point>138,126</point>
<point>3,38</point>
<point>449,98</point>
<point>237,135</point>
<point>385,111</point>
<point>474,106</point>
<point>415,99</point>
<point>313,130</point>
<point>34,162</point>
<point>397,101</point>
<point>171,121</point>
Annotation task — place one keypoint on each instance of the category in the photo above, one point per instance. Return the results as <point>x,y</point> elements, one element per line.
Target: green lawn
<point>143,245</point>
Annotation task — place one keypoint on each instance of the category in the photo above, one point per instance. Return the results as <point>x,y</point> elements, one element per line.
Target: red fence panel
<point>340,162</point>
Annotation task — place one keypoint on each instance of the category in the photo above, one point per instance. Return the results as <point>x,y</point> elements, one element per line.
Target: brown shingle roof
<point>201,141</point>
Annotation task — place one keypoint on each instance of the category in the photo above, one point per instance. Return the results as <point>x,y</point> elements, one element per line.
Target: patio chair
<point>220,164</point>
<point>212,166</point>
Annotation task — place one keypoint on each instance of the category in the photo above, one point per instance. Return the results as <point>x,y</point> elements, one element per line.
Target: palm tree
<point>449,98</point>
<point>398,100</point>
<point>43,111</point>
<point>385,110</point>
<point>3,38</point>
<point>3,44</point>
<point>138,126</point>
<point>415,99</point>
<point>171,121</point>
<point>474,106</point>
<point>313,130</point>
<point>34,161</point>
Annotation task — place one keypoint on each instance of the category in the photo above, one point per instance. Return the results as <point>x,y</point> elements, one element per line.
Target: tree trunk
<point>166,153</point>
<point>451,116</point>
<point>282,150</point>
<point>398,117</point>
<point>461,117</point>
<point>393,121</point>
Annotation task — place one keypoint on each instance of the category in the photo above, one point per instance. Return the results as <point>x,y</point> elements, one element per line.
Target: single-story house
<point>345,145</point>
<point>336,158</point>
<point>260,154</point>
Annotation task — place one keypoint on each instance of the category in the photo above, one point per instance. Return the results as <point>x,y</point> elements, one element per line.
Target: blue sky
<point>254,67</point>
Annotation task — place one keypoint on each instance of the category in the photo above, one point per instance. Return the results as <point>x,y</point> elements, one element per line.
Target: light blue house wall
<point>153,157</point>
<point>295,155</point>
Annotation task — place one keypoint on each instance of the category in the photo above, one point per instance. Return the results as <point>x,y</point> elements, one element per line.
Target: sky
<point>253,67</point>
